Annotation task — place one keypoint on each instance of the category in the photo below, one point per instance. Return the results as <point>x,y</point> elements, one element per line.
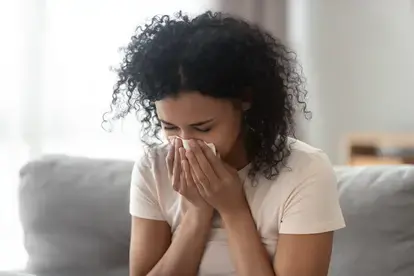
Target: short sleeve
<point>143,194</point>
<point>313,204</point>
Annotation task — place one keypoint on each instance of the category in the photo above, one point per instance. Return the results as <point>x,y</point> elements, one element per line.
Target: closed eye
<point>174,128</point>
<point>202,130</point>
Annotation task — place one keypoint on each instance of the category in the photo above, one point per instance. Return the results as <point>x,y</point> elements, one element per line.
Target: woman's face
<point>192,115</point>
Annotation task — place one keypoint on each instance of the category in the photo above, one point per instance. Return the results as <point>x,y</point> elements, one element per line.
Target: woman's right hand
<point>182,180</point>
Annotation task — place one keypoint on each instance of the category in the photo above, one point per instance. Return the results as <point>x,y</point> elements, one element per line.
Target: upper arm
<point>310,215</point>
<point>312,204</point>
<point>303,255</point>
<point>150,233</point>
<point>149,241</point>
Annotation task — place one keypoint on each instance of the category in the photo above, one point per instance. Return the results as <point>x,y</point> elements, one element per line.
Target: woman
<point>263,203</point>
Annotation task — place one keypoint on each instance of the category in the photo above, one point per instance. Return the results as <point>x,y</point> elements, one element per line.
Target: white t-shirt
<point>303,199</point>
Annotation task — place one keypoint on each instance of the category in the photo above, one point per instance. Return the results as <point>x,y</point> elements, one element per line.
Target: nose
<point>187,135</point>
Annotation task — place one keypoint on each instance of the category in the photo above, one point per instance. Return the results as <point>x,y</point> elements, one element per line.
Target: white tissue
<point>187,146</point>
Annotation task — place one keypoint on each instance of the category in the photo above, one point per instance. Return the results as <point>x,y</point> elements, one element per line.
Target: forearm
<point>247,251</point>
<point>186,250</point>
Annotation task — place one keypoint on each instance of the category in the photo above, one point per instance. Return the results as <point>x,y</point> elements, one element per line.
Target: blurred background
<point>56,81</point>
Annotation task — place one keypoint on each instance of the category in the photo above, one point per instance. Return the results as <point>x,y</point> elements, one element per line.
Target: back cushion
<point>75,214</point>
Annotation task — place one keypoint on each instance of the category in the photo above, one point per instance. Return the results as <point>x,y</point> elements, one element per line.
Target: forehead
<point>190,107</point>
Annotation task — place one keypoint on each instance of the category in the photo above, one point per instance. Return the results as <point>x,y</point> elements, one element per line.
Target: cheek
<point>225,138</point>
<point>168,133</point>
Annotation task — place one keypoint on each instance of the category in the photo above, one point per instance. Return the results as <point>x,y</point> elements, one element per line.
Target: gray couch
<point>75,217</point>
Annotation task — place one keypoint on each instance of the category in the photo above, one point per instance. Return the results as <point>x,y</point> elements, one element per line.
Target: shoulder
<point>153,158</point>
<point>309,191</point>
<point>150,168</point>
<point>306,160</point>
<point>148,175</point>
<point>307,168</point>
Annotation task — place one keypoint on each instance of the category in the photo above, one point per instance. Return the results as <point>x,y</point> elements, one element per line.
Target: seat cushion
<point>378,206</point>
<point>74,213</point>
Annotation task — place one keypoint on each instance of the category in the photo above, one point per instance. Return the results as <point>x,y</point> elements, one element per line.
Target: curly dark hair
<point>220,56</point>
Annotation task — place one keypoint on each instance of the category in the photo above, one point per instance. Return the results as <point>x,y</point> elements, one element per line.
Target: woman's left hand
<point>217,182</point>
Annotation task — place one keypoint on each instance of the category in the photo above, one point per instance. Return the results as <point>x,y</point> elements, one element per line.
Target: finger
<point>187,173</point>
<point>177,164</point>
<point>183,185</point>
<point>198,174</point>
<point>204,164</point>
<point>170,160</point>
<point>184,162</point>
<point>182,154</point>
<point>190,174</point>
<point>178,142</point>
<point>199,187</point>
<point>214,161</point>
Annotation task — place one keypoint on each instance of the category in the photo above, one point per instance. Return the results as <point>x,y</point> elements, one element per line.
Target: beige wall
<point>360,64</point>
<point>358,57</point>
<point>271,14</point>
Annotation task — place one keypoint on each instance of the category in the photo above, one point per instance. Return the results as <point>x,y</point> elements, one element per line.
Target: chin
<point>224,156</point>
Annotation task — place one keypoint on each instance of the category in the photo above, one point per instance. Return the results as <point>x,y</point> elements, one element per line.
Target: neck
<point>238,157</point>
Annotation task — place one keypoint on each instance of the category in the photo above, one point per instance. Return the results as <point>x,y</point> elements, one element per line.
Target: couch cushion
<point>75,217</point>
<point>74,213</point>
<point>378,206</point>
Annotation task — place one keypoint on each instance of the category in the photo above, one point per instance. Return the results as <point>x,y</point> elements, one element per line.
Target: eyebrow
<point>193,124</point>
